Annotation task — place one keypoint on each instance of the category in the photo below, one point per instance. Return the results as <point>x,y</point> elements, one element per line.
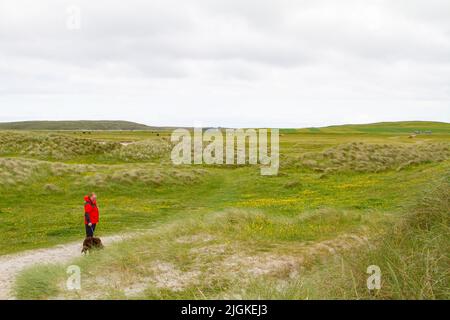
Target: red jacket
<point>90,211</point>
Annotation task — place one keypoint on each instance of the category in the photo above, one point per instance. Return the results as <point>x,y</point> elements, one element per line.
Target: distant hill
<point>74,125</point>
<point>387,127</point>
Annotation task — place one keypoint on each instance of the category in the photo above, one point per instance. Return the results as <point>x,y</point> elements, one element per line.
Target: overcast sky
<point>225,63</point>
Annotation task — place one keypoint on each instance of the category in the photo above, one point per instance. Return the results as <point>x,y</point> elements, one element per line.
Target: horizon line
<point>220,126</point>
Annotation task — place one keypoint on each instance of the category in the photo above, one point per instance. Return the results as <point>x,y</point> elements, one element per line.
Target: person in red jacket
<point>90,214</point>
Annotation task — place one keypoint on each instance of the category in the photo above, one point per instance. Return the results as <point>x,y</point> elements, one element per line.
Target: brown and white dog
<point>91,243</point>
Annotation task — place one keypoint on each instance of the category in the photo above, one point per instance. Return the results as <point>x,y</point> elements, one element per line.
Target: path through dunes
<point>167,276</point>
<point>11,265</point>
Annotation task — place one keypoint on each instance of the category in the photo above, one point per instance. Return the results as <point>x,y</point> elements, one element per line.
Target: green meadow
<point>345,198</point>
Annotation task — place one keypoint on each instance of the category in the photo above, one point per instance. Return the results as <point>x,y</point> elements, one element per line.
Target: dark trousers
<point>90,230</point>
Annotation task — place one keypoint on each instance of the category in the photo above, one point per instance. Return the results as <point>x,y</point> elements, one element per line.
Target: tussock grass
<point>39,283</point>
<point>142,176</point>
<point>143,150</point>
<point>370,157</point>
<point>52,188</point>
<point>413,257</point>
<point>62,147</point>
<point>16,172</point>
<point>51,146</point>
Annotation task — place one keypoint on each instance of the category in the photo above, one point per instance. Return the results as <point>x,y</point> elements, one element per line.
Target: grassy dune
<point>346,198</point>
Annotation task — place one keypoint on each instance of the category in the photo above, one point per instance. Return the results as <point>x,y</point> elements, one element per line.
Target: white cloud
<point>229,63</point>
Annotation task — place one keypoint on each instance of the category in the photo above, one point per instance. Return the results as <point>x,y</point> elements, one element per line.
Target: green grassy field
<point>345,198</point>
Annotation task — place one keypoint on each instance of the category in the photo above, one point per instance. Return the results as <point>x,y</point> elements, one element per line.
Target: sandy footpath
<point>11,265</point>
